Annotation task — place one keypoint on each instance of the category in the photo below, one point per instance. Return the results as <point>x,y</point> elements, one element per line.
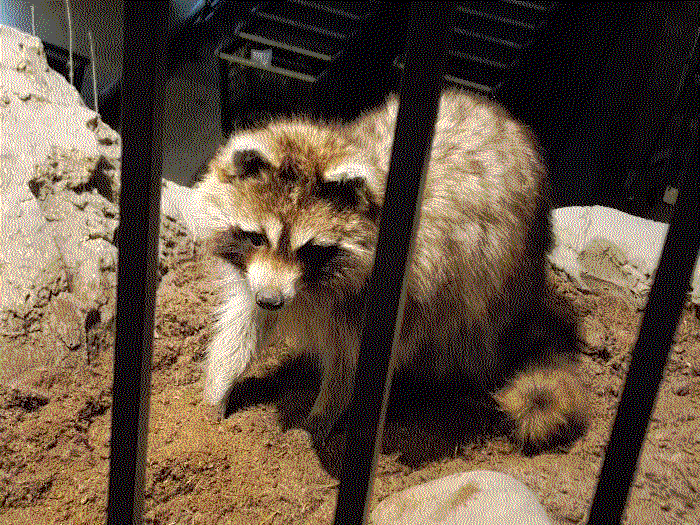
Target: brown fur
<point>477,300</point>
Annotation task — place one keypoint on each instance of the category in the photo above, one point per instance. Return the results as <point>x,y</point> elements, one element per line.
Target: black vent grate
<point>301,54</point>
<point>489,40</point>
<point>489,37</point>
<point>301,38</point>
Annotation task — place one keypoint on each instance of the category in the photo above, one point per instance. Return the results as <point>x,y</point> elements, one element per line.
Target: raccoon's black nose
<point>269,298</point>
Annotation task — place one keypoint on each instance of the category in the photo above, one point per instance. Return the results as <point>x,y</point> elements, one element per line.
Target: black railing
<point>386,290</point>
<point>646,370</point>
<point>144,35</point>
<point>145,32</point>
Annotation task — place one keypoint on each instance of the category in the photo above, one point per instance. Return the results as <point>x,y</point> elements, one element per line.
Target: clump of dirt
<point>255,468</point>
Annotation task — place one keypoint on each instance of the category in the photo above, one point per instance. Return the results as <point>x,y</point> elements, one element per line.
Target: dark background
<point>602,83</point>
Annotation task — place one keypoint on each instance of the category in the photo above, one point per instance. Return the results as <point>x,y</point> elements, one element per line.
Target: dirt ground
<point>55,415</point>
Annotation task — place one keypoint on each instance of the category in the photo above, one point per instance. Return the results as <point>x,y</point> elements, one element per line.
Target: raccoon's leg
<point>546,404</point>
<point>335,393</point>
<point>234,344</point>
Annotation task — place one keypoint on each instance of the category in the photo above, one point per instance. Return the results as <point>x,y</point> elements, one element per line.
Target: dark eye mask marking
<point>317,259</point>
<point>254,239</point>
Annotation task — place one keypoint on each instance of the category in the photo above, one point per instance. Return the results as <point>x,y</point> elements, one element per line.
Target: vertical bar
<point>70,44</point>
<point>386,290</point>
<point>94,73</point>
<point>145,32</point>
<point>662,312</point>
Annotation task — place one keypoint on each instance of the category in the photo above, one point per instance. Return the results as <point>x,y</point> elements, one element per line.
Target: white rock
<point>610,246</point>
<point>59,187</point>
<point>479,497</point>
<point>28,257</point>
<point>182,203</point>
<point>24,70</point>
<point>39,111</point>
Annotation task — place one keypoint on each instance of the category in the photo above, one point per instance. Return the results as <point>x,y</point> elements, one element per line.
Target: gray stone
<point>63,319</point>
<point>59,200</point>
<point>479,497</point>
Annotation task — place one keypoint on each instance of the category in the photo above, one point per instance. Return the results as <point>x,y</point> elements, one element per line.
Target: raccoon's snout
<point>269,298</point>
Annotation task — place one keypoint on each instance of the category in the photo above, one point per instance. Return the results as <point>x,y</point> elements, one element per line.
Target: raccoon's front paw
<point>319,427</point>
<point>547,407</point>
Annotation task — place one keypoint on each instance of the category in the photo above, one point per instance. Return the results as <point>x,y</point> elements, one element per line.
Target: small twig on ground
<point>70,44</point>
<point>94,74</point>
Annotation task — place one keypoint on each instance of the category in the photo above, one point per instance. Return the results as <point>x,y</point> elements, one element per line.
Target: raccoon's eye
<point>316,256</point>
<point>254,239</point>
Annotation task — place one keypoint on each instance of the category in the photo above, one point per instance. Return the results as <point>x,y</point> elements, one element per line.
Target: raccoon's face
<point>291,213</point>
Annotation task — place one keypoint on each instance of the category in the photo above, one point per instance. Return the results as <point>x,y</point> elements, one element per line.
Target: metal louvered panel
<point>490,38</point>
<point>305,54</point>
<point>301,37</point>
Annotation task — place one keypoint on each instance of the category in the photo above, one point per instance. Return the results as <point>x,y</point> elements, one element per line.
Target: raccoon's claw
<point>319,428</point>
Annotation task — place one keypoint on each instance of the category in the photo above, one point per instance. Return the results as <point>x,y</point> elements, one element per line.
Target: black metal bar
<point>386,290</point>
<point>663,310</point>
<point>145,31</point>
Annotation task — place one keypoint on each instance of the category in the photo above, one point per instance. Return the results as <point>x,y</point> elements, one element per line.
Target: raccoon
<point>292,209</point>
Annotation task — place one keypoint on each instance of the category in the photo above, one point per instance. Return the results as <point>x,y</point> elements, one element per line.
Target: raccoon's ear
<point>245,157</point>
<point>249,163</point>
<point>348,172</point>
<point>346,187</point>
